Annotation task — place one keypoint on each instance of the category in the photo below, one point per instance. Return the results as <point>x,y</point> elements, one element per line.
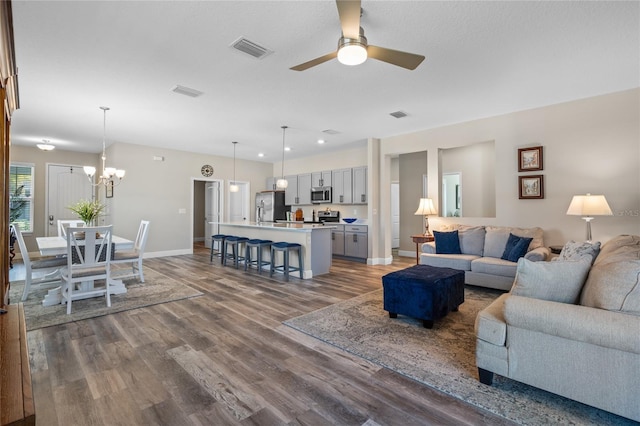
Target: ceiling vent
<point>182,90</point>
<point>251,48</point>
<point>398,114</point>
<point>330,132</point>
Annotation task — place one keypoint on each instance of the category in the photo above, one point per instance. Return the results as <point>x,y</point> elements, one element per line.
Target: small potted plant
<point>87,211</point>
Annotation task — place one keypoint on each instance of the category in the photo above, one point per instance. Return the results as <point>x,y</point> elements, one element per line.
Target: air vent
<point>250,48</point>
<point>398,114</point>
<point>182,90</point>
<point>331,132</point>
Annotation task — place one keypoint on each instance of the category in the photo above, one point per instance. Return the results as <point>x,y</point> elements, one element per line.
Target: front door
<point>66,185</point>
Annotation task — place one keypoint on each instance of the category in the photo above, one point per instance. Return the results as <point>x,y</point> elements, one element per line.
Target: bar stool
<point>218,238</point>
<point>286,248</point>
<point>235,243</point>
<point>260,245</point>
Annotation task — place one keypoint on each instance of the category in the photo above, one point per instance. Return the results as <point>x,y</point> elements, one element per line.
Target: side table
<point>420,239</point>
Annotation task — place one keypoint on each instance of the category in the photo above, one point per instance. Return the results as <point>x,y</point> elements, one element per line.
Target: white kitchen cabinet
<point>356,241</point>
<point>320,179</point>
<point>271,183</point>
<point>360,185</point>
<point>298,191</point>
<point>341,182</point>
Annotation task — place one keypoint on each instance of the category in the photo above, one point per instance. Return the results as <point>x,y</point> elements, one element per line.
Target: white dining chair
<point>63,224</point>
<point>134,256</point>
<point>45,265</point>
<point>89,252</point>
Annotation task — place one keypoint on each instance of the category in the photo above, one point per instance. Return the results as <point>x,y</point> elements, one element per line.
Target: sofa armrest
<point>538,254</point>
<point>574,322</point>
<point>429,247</point>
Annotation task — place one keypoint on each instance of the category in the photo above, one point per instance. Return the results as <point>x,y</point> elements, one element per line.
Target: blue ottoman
<point>424,292</point>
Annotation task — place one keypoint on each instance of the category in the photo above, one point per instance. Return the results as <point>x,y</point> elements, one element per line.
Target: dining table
<point>57,246</point>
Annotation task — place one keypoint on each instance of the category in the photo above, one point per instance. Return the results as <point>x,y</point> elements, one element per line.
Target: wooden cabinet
<point>337,240</point>
<point>298,191</point>
<point>341,182</point>
<point>356,241</point>
<point>321,179</point>
<point>359,193</point>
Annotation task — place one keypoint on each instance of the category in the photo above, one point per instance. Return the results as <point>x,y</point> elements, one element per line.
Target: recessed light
<point>321,141</point>
<point>260,154</point>
<point>287,149</point>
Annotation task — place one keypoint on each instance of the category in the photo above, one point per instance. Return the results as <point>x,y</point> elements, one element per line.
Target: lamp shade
<point>426,207</point>
<point>589,205</point>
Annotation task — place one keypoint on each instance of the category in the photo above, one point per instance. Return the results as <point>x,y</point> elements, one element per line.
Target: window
<point>21,196</point>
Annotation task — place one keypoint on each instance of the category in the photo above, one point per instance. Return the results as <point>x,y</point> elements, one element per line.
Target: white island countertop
<point>314,238</point>
<point>284,226</point>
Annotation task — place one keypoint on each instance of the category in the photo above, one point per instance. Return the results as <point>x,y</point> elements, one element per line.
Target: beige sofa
<point>481,250</point>
<point>574,338</point>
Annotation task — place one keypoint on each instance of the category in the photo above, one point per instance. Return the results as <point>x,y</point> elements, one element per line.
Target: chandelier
<point>282,182</point>
<point>108,173</point>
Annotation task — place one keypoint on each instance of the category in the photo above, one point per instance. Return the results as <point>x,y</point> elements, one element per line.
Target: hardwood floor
<point>225,359</point>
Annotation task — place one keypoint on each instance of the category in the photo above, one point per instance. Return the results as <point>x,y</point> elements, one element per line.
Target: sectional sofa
<point>570,328</point>
<point>481,253</point>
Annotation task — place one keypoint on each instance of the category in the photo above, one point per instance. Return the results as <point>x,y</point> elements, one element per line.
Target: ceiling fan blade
<point>314,62</point>
<point>349,12</point>
<point>406,60</point>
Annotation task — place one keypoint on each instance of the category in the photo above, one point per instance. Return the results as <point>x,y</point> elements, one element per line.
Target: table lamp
<point>588,206</point>
<point>426,208</point>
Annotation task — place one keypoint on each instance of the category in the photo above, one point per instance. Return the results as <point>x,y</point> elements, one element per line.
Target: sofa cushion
<point>454,261</point>
<point>496,238</point>
<point>554,281</point>
<point>490,325</point>
<point>515,248</point>
<point>577,251</point>
<point>614,279</point>
<point>471,238</point>
<point>494,266</point>
<point>447,242</point>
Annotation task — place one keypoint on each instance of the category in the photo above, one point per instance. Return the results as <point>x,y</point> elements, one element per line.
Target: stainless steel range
<point>328,216</point>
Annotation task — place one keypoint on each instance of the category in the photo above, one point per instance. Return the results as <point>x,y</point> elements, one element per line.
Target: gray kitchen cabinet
<point>337,240</point>
<point>356,241</point>
<point>321,179</point>
<point>298,191</point>
<point>360,185</point>
<point>341,182</point>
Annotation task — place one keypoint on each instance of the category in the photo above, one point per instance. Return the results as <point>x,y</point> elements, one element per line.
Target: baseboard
<point>405,253</point>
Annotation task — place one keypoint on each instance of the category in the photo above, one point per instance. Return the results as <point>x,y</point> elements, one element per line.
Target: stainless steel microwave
<point>321,194</point>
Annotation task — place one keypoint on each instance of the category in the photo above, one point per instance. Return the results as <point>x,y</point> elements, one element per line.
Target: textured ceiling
<point>482,59</point>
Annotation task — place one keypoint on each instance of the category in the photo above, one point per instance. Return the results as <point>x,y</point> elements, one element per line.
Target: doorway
<point>207,209</point>
<point>66,185</point>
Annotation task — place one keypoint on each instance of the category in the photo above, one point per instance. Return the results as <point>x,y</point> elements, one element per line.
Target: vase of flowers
<point>87,211</point>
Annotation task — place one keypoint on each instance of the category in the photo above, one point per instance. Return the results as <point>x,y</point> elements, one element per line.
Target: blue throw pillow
<point>447,242</point>
<point>516,248</point>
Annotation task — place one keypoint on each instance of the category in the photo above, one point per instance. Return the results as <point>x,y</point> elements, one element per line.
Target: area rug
<point>442,357</point>
<point>156,289</point>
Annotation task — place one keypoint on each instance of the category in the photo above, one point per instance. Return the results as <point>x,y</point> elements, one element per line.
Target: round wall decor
<point>206,170</point>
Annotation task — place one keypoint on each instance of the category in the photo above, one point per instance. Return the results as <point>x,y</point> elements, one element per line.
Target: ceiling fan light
<point>352,53</point>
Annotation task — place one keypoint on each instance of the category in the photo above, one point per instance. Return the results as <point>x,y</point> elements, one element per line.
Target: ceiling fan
<point>353,48</point>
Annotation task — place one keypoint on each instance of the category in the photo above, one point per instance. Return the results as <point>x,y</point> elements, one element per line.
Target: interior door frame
<point>222,209</point>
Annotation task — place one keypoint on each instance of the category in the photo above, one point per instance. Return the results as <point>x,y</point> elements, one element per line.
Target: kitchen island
<point>315,241</point>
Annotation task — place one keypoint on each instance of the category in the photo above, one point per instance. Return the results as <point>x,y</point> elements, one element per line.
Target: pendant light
<point>234,186</point>
<point>108,173</point>
<point>282,182</point>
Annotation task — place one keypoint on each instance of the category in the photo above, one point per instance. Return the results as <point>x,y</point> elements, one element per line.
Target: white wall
<point>590,145</point>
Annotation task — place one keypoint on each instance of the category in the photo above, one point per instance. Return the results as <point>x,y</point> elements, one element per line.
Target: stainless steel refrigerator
<point>270,206</point>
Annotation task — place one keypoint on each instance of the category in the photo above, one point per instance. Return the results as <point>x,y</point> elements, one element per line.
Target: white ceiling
<point>482,59</point>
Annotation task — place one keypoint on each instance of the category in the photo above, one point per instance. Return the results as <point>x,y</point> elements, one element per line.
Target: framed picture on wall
<point>109,189</point>
<point>530,159</point>
<point>531,187</point>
